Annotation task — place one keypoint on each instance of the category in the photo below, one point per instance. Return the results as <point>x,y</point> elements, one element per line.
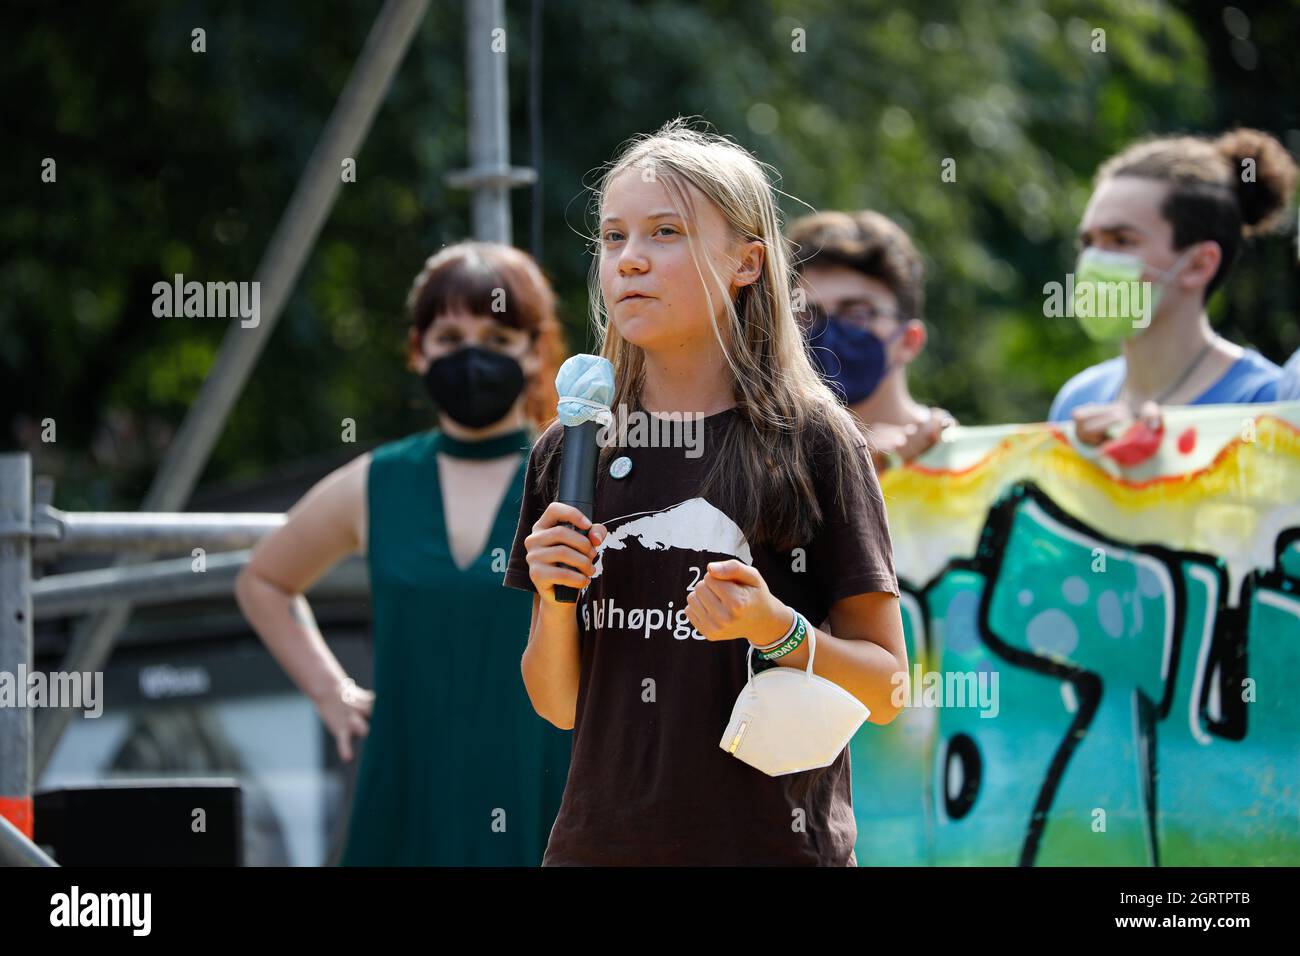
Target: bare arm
<point>551,664</point>
<point>864,654</point>
<point>325,526</point>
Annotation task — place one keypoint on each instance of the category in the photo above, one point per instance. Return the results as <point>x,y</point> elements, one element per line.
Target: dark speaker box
<point>142,823</point>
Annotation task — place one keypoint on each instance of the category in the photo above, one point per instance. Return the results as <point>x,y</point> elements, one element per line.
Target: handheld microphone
<point>586,387</point>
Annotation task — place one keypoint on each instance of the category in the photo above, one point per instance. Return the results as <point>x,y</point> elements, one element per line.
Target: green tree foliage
<point>172,161</point>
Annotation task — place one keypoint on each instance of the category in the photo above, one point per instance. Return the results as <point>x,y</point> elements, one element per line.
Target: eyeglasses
<point>862,315</point>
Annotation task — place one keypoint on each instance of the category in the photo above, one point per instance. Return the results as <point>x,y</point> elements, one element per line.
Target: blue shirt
<point>1251,379</point>
<point>1288,387</point>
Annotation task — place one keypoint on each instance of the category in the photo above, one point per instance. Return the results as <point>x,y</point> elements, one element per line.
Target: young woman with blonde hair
<point>776,529</point>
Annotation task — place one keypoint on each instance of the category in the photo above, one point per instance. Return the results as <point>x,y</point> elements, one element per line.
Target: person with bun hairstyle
<point>771,538</point>
<point>457,769</point>
<point>1173,212</point>
<point>863,287</point>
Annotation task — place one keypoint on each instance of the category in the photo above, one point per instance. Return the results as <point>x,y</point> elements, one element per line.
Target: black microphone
<point>577,485</point>
<point>583,383</point>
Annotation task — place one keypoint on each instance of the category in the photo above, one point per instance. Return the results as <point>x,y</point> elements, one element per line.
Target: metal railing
<point>17,850</point>
<point>44,532</point>
<point>106,595</point>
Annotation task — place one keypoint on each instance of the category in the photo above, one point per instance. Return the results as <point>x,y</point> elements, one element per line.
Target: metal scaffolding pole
<point>69,532</point>
<point>16,636</point>
<point>277,273</point>
<point>165,582</point>
<point>490,175</point>
<point>16,849</point>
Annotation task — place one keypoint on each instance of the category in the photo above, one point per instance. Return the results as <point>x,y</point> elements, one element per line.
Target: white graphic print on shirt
<point>691,525</point>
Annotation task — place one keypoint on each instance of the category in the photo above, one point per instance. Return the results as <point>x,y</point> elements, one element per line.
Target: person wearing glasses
<point>862,282</point>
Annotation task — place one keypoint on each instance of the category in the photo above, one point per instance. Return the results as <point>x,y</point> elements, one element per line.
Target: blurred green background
<point>172,161</point>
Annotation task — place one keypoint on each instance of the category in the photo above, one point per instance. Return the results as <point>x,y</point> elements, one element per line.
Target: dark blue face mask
<point>851,359</point>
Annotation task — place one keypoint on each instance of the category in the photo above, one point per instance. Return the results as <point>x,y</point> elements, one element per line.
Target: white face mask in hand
<point>786,720</point>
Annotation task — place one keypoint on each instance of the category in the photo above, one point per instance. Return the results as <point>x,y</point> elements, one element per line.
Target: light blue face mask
<point>586,387</point>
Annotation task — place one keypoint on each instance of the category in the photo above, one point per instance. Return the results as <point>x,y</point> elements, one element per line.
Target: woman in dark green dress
<point>457,768</point>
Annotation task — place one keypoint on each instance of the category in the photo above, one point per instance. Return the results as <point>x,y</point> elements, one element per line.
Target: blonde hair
<point>762,474</point>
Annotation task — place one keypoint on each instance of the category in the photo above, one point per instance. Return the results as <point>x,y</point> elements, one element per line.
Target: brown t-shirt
<point>648,783</point>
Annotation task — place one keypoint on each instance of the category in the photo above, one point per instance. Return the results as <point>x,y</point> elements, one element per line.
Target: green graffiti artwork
<point>1126,685</point>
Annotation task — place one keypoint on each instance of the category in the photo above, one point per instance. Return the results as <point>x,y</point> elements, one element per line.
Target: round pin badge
<point>621,467</point>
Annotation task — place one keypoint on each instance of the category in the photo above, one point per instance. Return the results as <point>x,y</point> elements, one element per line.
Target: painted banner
<point>1104,647</point>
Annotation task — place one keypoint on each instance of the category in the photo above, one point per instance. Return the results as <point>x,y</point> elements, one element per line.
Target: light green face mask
<point>1111,301</point>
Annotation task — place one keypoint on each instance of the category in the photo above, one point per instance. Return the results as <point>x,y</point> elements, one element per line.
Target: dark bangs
<point>481,279</point>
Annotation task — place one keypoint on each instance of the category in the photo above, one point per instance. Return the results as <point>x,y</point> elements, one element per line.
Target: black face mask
<point>474,385</point>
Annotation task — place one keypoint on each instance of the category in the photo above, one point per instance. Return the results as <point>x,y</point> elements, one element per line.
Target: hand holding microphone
<point>560,555</point>
<point>586,387</point>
